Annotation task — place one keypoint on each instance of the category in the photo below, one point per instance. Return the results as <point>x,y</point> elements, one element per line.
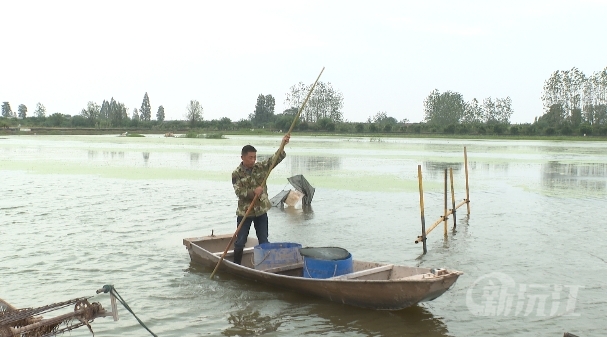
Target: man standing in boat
<point>247,180</point>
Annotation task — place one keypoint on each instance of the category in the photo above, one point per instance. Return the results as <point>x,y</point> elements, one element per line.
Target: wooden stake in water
<point>280,149</point>
<point>453,198</point>
<point>421,206</point>
<point>467,189</point>
<point>445,216</point>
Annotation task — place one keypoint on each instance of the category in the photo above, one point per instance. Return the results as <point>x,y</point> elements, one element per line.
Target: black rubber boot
<point>237,255</point>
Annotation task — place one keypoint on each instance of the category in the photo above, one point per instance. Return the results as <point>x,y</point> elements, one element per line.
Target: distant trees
<point>91,113</point>
<point>326,124</point>
<point>264,110</point>
<point>225,123</point>
<point>110,113</point>
<point>6,110</point>
<point>244,124</point>
<point>40,111</point>
<point>577,98</point>
<point>574,104</point>
<point>118,113</point>
<point>56,119</point>
<point>194,112</point>
<point>474,113</point>
<point>496,112</point>
<point>324,102</point>
<point>382,122</point>
<point>145,113</point>
<point>381,118</point>
<point>22,111</point>
<point>160,114</point>
<point>283,121</point>
<point>135,115</point>
<point>444,108</point>
<point>449,108</point>
<point>113,113</point>
<point>104,113</point>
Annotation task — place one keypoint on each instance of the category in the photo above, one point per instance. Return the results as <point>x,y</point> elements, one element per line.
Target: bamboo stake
<point>280,149</point>
<point>445,217</point>
<point>453,198</point>
<point>467,189</point>
<point>421,207</point>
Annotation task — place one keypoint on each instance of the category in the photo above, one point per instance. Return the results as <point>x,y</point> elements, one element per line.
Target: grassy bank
<point>80,131</point>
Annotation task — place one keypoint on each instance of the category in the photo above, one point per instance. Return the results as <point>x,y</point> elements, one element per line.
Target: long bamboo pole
<point>461,204</point>
<point>421,206</point>
<point>467,189</point>
<point>434,225</point>
<point>453,198</point>
<point>445,217</point>
<point>280,149</point>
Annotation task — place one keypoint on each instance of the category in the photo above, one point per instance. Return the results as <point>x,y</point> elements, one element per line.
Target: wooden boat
<point>373,285</point>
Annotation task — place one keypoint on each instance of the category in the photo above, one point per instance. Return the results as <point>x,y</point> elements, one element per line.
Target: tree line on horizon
<point>574,104</point>
<point>575,101</point>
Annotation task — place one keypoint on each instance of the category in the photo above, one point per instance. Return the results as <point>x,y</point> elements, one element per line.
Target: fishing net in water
<point>27,322</point>
<point>325,253</point>
<point>302,186</point>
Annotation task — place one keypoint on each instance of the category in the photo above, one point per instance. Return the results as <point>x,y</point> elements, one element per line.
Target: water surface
<point>78,212</point>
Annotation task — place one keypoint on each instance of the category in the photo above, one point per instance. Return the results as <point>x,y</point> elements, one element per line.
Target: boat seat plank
<point>365,272</point>
<point>231,252</point>
<point>283,268</point>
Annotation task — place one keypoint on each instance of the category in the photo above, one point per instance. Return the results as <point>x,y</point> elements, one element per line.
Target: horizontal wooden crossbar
<point>442,218</point>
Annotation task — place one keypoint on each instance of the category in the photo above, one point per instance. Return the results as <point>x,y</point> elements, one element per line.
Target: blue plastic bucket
<point>276,254</point>
<point>319,268</point>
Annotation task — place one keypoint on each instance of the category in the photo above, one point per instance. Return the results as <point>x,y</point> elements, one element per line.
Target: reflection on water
<point>586,177</point>
<point>301,164</point>
<point>194,157</point>
<point>435,168</point>
<point>298,214</point>
<point>441,166</point>
<point>92,154</point>
<point>326,318</point>
<point>113,154</point>
<point>412,321</point>
<point>247,323</point>
<point>496,167</point>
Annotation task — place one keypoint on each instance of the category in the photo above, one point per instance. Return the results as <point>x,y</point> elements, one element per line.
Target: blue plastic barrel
<point>320,268</point>
<point>275,254</point>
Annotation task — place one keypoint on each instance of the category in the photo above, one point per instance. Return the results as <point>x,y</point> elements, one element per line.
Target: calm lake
<point>78,212</point>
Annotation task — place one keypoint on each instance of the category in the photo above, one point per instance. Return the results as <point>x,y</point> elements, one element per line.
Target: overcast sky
<point>382,55</point>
